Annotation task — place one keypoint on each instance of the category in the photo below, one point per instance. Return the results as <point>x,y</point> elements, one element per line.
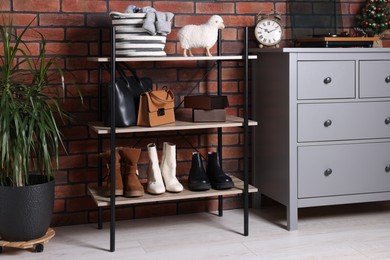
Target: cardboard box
<point>210,115</point>
<point>206,102</point>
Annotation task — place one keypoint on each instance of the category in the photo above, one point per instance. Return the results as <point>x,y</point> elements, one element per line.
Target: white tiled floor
<point>359,231</point>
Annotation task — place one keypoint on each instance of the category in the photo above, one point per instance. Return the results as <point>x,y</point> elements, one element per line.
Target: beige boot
<point>106,190</point>
<point>155,182</point>
<point>168,168</point>
<point>130,157</point>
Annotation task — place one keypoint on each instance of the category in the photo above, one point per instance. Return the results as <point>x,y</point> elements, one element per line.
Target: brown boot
<point>106,156</point>
<point>130,157</point>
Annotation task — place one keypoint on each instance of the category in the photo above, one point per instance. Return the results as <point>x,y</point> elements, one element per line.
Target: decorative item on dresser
<point>325,132</point>
<point>374,18</point>
<point>268,30</point>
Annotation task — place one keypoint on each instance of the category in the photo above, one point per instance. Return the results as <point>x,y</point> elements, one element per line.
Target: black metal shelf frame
<point>113,134</point>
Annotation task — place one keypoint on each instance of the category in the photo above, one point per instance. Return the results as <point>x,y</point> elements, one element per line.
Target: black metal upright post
<point>219,80</point>
<point>112,144</point>
<point>100,180</point>
<point>100,138</point>
<point>100,89</point>
<point>246,142</point>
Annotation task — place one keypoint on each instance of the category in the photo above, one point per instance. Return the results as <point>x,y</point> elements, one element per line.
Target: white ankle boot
<point>155,182</point>
<point>168,168</point>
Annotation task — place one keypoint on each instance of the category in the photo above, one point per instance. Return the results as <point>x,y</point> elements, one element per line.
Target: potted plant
<point>29,136</point>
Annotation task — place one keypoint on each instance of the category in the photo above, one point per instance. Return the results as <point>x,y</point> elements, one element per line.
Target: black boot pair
<point>198,180</point>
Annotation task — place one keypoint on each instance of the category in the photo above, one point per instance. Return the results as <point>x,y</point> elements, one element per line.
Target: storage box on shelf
<point>134,41</point>
<point>325,132</point>
<point>207,108</point>
<point>241,186</point>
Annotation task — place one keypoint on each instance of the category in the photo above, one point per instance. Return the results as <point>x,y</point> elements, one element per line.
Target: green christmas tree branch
<point>374,18</point>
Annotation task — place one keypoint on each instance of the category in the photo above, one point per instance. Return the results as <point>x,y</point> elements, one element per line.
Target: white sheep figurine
<point>200,36</point>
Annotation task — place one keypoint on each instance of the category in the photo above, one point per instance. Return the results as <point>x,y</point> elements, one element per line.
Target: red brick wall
<point>71,28</point>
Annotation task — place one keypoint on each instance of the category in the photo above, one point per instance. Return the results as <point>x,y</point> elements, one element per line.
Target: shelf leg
<point>219,79</point>
<point>100,180</point>
<point>246,142</point>
<point>100,218</point>
<point>220,198</point>
<point>100,138</point>
<point>100,76</point>
<point>112,143</point>
<point>220,206</point>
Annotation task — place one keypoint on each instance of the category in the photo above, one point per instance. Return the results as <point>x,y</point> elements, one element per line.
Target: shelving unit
<point>240,186</point>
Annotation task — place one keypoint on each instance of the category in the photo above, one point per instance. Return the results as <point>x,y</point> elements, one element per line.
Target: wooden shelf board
<point>175,58</point>
<point>231,121</point>
<point>167,196</point>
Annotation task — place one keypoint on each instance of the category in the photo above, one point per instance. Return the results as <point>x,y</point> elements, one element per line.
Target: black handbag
<point>127,95</point>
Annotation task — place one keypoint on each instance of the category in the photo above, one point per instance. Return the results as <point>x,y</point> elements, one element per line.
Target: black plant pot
<point>25,212</point>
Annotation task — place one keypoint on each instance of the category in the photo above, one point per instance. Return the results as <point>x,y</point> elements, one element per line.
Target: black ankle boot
<point>219,180</point>
<point>197,179</point>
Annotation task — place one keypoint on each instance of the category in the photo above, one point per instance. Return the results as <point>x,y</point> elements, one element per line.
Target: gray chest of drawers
<point>324,126</point>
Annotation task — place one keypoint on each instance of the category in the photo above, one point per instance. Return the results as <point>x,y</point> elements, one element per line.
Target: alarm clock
<point>268,31</point>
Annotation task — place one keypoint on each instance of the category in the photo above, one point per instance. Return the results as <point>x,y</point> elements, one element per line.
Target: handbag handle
<point>123,74</point>
<point>160,99</point>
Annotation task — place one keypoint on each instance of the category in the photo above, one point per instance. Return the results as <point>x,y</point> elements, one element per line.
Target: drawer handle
<point>327,80</point>
<point>387,168</point>
<point>387,120</point>
<point>329,122</point>
<point>387,79</point>
<point>329,171</point>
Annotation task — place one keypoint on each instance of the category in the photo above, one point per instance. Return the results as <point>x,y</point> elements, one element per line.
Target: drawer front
<point>343,169</point>
<point>374,79</point>
<point>326,79</point>
<point>343,121</point>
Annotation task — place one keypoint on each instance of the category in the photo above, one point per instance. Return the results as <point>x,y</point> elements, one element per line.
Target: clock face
<point>268,32</point>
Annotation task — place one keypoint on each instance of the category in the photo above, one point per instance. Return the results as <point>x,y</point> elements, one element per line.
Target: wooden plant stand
<point>36,244</point>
